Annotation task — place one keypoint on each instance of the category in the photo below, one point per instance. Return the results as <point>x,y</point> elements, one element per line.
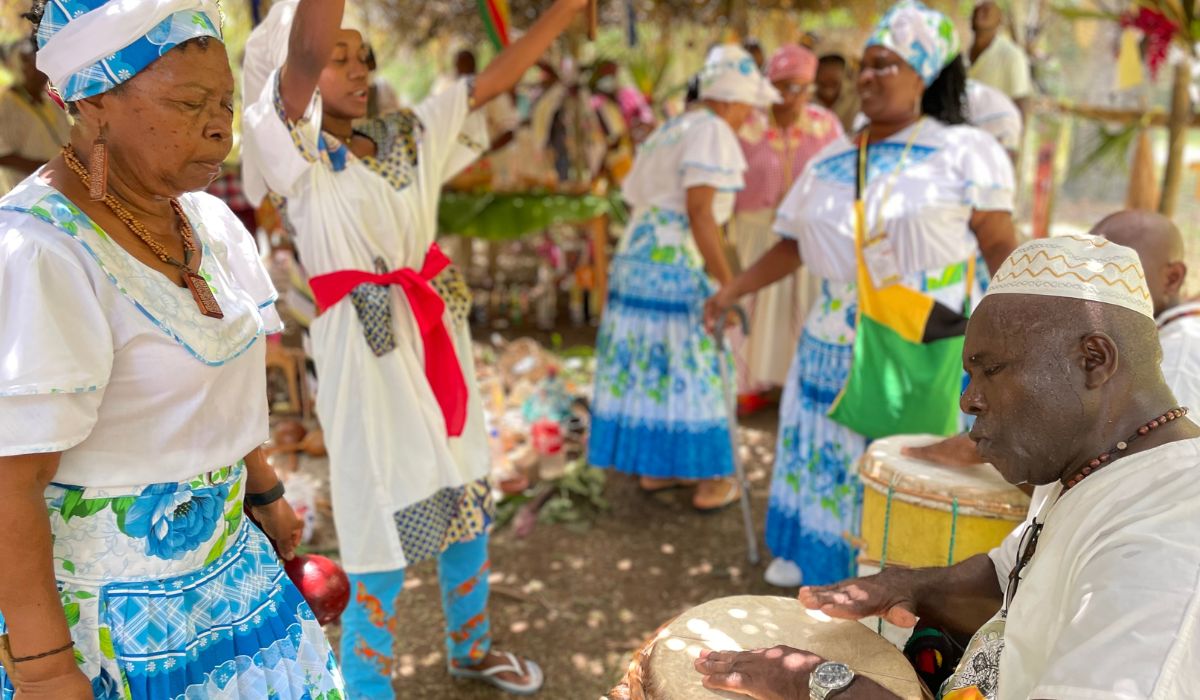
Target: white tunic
<point>386,435</point>
<point>949,172</point>
<point>991,110</point>
<point>1109,606</point>
<point>111,363</point>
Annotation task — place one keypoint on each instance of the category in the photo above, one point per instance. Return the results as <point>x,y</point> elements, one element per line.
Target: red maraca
<point>322,583</point>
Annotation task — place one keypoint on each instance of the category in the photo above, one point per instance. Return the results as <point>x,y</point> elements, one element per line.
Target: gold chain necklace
<point>196,284</point>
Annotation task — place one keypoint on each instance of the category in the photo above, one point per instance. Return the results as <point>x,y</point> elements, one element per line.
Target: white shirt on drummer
<point>1179,334</point>
<point>1109,606</point>
<point>1115,573</point>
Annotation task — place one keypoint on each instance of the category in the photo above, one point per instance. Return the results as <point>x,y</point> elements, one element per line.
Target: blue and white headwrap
<point>730,75</point>
<point>88,47</point>
<point>923,37</point>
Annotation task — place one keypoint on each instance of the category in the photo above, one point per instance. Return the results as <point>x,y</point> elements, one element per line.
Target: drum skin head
<point>743,623</point>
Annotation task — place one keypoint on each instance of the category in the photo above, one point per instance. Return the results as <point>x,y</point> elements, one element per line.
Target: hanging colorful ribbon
<point>495,20</point>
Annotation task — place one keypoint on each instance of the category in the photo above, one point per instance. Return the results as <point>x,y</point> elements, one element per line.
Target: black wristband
<point>267,497</point>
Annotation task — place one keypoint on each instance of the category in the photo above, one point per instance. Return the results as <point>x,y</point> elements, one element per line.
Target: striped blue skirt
<point>170,593</point>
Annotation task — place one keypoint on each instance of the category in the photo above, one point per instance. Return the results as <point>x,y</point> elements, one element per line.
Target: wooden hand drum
<point>920,514</point>
<point>664,669</point>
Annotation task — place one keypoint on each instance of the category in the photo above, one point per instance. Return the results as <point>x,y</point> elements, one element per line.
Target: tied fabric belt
<point>372,301</point>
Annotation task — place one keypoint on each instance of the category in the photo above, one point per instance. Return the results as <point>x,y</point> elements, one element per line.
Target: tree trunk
<point>1181,112</point>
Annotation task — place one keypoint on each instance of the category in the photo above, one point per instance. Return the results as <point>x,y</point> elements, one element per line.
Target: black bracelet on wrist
<point>44,654</point>
<point>267,497</point>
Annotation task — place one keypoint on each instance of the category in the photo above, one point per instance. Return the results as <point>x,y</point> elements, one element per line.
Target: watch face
<point>833,676</point>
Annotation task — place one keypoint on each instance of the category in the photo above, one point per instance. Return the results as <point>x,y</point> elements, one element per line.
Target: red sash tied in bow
<point>442,368</point>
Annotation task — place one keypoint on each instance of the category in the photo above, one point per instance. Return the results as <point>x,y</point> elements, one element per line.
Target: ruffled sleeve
<point>56,346</point>
<point>277,152</point>
<point>244,262</point>
<point>987,172</point>
<point>443,117</point>
<point>712,157</point>
<point>789,218</point>
<point>473,142</point>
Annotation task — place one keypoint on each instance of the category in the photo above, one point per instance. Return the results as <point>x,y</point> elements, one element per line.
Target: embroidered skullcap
<point>88,47</point>
<point>790,62</point>
<point>729,75</point>
<point>1076,266</point>
<point>923,37</point>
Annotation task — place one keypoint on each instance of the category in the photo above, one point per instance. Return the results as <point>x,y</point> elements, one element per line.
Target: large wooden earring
<point>98,169</point>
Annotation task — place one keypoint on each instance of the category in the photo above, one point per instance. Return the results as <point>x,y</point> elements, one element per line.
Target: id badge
<point>881,261</point>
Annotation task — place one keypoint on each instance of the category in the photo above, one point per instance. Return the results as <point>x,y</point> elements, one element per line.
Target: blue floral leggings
<point>370,624</point>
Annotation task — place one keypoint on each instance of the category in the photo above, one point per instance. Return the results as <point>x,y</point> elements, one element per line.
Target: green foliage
<point>577,498</point>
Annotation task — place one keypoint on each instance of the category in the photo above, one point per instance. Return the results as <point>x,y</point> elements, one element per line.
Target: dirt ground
<point>579,603</point>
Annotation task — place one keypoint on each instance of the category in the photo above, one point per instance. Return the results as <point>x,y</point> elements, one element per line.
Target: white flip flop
<point>490,676</point>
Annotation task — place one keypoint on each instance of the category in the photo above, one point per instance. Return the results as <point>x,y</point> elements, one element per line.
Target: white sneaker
<point>783,573</point>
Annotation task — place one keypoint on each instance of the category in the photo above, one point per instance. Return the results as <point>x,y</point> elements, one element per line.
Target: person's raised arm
<point>507,68</point>
<point>29,601</point>
<point>310,46</point>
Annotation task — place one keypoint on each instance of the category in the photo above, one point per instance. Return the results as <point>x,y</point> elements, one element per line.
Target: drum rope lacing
<point>887,530</point>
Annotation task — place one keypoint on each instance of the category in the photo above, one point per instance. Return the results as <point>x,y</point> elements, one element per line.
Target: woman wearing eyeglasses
<point>777,143</point>
<point>941,193</point>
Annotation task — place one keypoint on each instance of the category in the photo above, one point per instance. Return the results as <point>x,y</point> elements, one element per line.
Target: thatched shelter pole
<point>739,17</point>
<point>1177,123</point>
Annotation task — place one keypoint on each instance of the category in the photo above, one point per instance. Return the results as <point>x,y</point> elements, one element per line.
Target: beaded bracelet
<point>44,654</point>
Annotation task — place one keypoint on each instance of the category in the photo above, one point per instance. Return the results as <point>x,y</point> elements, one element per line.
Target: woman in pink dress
<point>777,143</point>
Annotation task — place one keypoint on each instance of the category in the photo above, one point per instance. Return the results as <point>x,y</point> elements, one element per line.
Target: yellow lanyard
<point>861,190</point>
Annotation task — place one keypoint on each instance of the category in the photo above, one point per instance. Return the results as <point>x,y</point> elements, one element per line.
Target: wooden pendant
<point>203,295</point>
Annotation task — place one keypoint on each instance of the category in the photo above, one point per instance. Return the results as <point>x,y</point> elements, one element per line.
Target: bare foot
<point>713,494</point>
<point>650,484</point>
<point>958,451</point>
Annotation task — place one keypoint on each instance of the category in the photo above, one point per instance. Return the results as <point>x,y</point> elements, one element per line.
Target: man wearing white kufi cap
<point>1098,598</point>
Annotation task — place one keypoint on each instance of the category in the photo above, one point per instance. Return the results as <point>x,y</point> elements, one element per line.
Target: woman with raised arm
<point>132,391</point>
<point>403,422</point>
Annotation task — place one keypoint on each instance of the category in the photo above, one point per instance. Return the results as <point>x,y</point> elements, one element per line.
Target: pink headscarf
<point>792,61</point>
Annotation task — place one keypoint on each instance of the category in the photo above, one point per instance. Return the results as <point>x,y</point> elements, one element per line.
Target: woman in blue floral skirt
<point>942,192</point>
<point>133,315</point>
<point>660,412</point>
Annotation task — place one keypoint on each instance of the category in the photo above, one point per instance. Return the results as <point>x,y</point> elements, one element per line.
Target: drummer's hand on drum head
<point>881,595</point>
<point>778,673</point>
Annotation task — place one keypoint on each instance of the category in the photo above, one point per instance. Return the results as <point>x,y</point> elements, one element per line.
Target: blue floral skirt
<point>659,409</point>
<point>816,497</point>
<point>170,593</point>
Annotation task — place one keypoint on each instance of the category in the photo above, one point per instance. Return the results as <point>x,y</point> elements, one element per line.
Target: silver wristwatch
<point>829,679</point>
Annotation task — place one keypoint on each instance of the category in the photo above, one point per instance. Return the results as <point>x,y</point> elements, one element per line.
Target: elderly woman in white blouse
<point>132,392</point>
<point>660,412</point>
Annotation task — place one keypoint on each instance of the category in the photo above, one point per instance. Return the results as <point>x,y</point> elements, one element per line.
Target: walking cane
<point>731,403</point>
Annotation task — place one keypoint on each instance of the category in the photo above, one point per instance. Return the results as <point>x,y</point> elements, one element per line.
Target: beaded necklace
<point>1115,451</point>
<point>196,284</point>
<point>1029,538</point>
